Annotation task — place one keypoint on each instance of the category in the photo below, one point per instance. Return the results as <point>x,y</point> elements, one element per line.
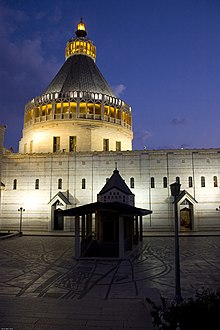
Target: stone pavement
<point>43,287</point>
<point>23,313</point>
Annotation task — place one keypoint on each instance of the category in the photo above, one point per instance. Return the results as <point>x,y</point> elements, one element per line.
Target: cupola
<point>80,44</point>
<point>78,111</point>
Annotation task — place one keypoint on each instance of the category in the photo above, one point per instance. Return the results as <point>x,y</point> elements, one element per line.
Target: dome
<point>79,73</point>
<point>78,111</point>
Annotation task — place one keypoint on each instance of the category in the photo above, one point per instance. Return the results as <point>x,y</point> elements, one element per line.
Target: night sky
<point>162,57</point>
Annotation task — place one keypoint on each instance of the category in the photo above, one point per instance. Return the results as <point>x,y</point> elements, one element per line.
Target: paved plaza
<point>43,287</point>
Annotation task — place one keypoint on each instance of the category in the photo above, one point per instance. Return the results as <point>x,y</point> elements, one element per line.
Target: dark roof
<point>116,181</point>
<point>114,207</point>
<point>61,196</point>
<point>79,73</point>
<point>185,194</point>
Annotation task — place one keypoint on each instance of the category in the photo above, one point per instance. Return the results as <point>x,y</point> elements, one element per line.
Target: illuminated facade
<point>78,111</point>
<point>73,135</point>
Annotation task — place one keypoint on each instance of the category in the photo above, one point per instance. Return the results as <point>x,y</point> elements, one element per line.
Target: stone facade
<point>89,136</point>
<point>78,177</point>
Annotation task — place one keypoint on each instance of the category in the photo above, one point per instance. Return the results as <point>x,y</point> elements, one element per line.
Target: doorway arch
<point>57,203</point>
<point>185,219</point>
<point>58,220</point>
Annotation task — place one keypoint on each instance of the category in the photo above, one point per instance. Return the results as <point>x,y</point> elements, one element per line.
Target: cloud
<point>143,135</point>
<point>173,146</point>
<point>24,69</point>
<point>25,73</point>
<point>52,16</point>
<point>10,19</point>
<point>178,121</point>
<point>118,89</point>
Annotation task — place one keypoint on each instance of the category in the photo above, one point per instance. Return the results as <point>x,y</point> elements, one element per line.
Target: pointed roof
<point>61,197</point>
<point>116,181</point>
<point>184,194</point>
<point>79,73</point>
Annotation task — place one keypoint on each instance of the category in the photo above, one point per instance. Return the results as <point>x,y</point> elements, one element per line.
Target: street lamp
<point>175,191</point>
<point>21,210</point>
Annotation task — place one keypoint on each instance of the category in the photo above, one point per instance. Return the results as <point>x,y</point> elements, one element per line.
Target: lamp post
<point>175,191</point>
<point>21,210</point>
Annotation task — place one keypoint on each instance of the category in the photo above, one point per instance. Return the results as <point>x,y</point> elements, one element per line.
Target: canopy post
<point>77,238</point>
<point>141,228</point>
<point>121,238</point>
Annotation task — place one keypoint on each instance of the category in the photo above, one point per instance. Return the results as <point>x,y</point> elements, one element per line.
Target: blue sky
<point>162,57</point>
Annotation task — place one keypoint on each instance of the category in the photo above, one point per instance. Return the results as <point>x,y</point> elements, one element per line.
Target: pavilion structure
<point>109,227</point>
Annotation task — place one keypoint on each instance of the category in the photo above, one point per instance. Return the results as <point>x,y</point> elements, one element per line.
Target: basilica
<point>75,135</point>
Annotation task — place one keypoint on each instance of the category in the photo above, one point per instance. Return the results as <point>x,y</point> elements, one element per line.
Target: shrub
<point>199,312</point>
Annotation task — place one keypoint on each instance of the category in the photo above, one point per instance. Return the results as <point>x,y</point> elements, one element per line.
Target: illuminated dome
<point>78,105</point>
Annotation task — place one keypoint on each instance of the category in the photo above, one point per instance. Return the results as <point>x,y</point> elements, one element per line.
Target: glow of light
<point>81,26</point>
<point>39,137</point>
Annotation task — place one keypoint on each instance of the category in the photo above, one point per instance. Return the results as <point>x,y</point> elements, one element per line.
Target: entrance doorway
<point>185,219</point>
<point>58,220</point>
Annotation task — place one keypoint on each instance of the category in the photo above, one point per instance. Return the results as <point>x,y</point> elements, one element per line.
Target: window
<point>105,144</point>
<point>131,182</point>
<point>215,181</point>
<point>118,145</point>
<point>190,181</point>
<point>37,184</point>
<point>56,143</point>
<point>15,184</point>
<point>152,182</point>
<point>72,143</point>
<point>202,181</point>
<point>178,179</point>
<point>83,183</point>
<point>60,183</point>
<point>165,182</point>
<point>25,148</point>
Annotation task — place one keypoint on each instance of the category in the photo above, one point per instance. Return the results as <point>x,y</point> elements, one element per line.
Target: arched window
<point>15,184</point>
<point>190,181</point>
<point>202,181</point>
<point>37,184</point>
<point>152,182</point>
<point>215,181</point>
<point>83,183</point>
<point>178,179</point>
<point>165,182</point>
<point>60,183</point>
<point>131,182</point>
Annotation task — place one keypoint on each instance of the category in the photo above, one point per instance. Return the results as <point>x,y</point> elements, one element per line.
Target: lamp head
<point>175,189</point>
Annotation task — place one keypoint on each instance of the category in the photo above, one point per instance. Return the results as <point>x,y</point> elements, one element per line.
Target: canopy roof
<point>114,207</point>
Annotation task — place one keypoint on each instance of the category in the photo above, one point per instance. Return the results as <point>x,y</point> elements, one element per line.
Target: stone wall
<point>95,167</point>
<point>89,136</point>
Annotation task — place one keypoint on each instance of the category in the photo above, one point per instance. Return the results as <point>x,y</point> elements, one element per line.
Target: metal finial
<point>116,165</point>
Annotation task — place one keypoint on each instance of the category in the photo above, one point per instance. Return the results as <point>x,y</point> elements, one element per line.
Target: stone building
<point>72,136</point>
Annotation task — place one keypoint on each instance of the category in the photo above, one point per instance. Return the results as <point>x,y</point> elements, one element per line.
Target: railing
<point>71,116</point>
